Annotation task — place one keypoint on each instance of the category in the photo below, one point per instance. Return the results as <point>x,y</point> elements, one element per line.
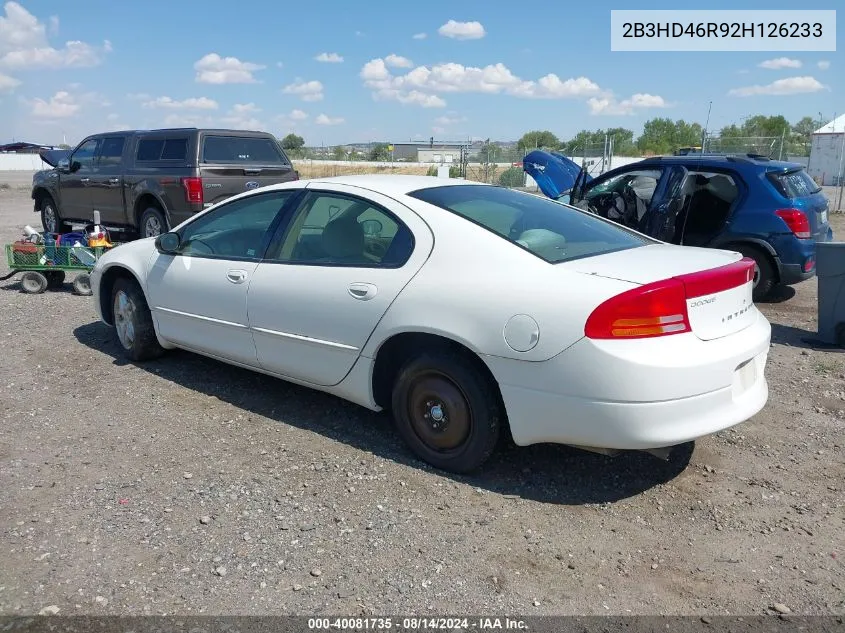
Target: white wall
<point>22,162</point>
<point>825,157</point>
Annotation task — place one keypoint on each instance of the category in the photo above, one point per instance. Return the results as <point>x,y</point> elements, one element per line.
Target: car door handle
<point>236,276</point>
<point>362,291</point>
<point>85,180</point>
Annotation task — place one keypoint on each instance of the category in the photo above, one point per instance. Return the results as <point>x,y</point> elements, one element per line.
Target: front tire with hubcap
<point>133,322</point>
<point>153,222</point>
<point>447,411</point>
<point>50,218</point>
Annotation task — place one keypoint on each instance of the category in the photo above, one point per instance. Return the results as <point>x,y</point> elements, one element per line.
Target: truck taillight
<point>797,222</point>
<point>193,190</point>
<point>660,308</point>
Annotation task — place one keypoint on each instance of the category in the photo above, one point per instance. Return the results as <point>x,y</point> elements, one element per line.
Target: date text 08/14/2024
<point>414,624</point>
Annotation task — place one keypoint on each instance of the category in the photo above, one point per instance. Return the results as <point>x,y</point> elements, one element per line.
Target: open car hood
<point>554,173</point>
<point>53,156</point>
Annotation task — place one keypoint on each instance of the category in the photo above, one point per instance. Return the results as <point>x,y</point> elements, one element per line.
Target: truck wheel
<point>50,218</point>
<point>152,223</point>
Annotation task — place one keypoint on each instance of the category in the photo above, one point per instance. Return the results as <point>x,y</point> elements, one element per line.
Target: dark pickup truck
<point>147,182</point>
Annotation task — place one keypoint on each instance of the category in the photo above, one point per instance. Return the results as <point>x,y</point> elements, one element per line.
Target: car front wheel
<point>133,322</point>
<point>447,411</point>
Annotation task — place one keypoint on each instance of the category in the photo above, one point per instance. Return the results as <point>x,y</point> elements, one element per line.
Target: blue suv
<point>770,211</point>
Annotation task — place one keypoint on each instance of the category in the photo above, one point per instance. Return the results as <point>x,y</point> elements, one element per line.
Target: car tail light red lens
<point>193,190</point>
<point>796,221</point>
<point>809,264</point>
<point>660,308</point>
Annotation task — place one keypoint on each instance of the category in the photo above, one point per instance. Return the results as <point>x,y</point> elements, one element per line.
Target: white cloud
<point>193,103</point>
<point>609,106</point>
<point>462,30</point>
<point>7,84</point>
<point>53,25</point>
<point>298,115</point>
<point>438,130</point>
<point>779,63</point>
<point>24,44</point>
<point>449,120</point>
<point>422,84</point>
<point>305,90</point>
<point>824,64</point>
<point>322,119</point>
<point>60,106</point>
<point>397,61</point>
<point>419,36</point>
<point>242,117</point>
<point>188,120</point>
<point>214,69</point>
<point>329,58</point>
<point>788,86</point>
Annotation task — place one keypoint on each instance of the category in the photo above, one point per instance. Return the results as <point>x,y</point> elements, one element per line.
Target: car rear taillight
<point>193,190</point>
<point>660,308</point>
<point>796,221</point>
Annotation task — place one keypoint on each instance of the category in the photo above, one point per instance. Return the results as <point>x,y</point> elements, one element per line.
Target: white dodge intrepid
<point>462,308</point>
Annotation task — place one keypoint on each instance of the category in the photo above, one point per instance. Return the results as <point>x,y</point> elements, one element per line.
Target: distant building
<point>826,153</point>
<point>428,152</point>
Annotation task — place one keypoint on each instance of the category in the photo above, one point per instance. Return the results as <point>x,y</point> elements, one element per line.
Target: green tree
<point>293,142</point>
<point>489,152</point>
<point>592,143</point>
<point>379,152</point>
<point>339,152</point>
<point>663,135</point>
<point>802,136</point>
<point>538,139</point>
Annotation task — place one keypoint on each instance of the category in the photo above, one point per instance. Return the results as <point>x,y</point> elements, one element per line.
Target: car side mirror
<point>64,165</point>
<point>168,243</point>
<point>75,166</point>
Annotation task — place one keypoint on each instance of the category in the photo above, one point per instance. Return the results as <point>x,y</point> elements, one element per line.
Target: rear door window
<point>156,149</point>
<point>236,150</point>
<point>111,151</point>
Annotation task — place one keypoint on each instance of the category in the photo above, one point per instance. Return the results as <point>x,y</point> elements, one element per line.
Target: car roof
<point>738,161</point>
<point>391,184</point>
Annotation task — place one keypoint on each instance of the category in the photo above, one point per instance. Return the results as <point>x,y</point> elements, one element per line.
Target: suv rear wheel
<point>153,222</point>
<point>764,272</point>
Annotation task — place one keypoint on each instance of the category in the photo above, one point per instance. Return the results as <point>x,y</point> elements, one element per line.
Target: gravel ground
<point>187,486</point>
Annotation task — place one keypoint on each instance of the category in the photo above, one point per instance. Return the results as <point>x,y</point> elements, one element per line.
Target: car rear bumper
<point>637,394</point>
<point>791,274</point>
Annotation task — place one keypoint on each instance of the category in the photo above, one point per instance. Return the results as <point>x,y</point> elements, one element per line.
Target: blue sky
<point>337,71</point>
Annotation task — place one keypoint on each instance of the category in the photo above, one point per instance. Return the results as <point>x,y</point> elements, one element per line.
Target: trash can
<point>830,270</point>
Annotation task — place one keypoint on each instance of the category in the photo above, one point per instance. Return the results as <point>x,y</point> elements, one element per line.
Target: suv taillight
<point>796,221</point>
<point>193,190</point>
<point>660,308</point>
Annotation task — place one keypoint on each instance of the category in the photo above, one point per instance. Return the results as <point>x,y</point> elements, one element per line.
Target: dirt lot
<point>186,486</point>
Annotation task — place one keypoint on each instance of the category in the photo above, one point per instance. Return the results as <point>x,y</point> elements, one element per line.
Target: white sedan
<point>462,308</point>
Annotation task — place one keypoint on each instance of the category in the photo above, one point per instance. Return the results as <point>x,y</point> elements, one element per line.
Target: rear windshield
<point>242,149</point>
<point>795,184</point>
<point>550,230</point>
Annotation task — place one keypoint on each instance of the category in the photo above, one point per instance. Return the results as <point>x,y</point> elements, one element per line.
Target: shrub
<point>512,177</point>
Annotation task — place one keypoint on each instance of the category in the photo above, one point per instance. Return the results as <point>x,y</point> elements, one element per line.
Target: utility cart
<point>44,266</point>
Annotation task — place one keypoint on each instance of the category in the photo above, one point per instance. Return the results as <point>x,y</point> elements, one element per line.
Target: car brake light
<point>660,308</point>
<point>655,309</point>
<point>193,190</point>
<point>796,221</point>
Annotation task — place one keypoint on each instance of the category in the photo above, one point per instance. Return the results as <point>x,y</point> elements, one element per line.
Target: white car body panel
<point>465,283</point>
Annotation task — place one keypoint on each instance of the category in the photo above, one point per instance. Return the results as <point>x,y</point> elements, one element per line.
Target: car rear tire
<point>133,322</point>
<point>764,272</point>
<point>447,411</point>
<point>50,218</point>
<point>153,223</point>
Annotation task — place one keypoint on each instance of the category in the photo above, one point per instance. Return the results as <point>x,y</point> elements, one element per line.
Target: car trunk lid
<point>717,284</point>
